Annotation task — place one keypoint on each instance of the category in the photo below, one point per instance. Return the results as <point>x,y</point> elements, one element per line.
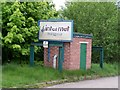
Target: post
<point>101,57</point>
<point>31,55</point>
<point>63,53</point>
<point>60,61</point>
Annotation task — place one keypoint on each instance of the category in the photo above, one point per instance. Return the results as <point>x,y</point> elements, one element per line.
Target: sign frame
<point>57,20</point>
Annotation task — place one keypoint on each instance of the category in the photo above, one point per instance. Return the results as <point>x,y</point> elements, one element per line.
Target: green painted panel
<point>83,56</point>
<point>50,44</point>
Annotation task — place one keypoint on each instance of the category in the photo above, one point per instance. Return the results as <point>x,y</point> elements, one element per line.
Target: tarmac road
<point>109,82</point>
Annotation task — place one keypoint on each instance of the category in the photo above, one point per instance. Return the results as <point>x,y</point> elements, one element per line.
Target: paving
<point>108,82</point>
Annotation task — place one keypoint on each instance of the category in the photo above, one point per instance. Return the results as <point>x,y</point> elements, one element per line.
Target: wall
<point>53,50</point>
<point>75,53</point>
<point>71,54</point>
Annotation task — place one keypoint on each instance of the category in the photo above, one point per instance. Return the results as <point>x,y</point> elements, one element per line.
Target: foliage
<point>0,75</point>
<point>24,75</point>
<point>20,28</point>
<point>99,19</point>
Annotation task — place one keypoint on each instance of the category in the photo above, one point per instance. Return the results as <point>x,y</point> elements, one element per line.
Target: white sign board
<point>45,44</point>
<point>56,30</point>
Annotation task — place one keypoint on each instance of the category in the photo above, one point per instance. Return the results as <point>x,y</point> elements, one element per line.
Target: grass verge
<point>0,76</point>
<point>14,75</point>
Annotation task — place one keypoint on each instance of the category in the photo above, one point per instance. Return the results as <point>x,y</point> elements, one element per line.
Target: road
<point>109,82</point>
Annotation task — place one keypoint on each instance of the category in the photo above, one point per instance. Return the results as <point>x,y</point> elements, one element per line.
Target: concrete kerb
<point>55,82</point>
<point>43,84</point>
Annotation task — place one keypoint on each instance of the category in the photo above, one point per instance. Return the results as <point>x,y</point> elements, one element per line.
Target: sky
<point>58,3</point>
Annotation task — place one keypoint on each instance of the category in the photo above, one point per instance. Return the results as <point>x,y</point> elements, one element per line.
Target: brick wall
<point>66,63</point>
<point>71,54</point>
<point>53,50</point>
<point>75,53</point>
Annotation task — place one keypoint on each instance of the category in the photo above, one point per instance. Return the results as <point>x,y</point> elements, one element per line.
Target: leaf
<point>16,47</point>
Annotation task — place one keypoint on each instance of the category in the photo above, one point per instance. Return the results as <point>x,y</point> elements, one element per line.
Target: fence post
<point>31,55</point>
<point>101,57</point>
<point>60,61</point>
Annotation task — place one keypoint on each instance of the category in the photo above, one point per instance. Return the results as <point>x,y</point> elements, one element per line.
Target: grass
<point>0,76</point>
<point>14,75</point>
<point>108,70</point>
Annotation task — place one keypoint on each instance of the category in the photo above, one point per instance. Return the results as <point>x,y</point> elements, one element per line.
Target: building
<point>76,54</point>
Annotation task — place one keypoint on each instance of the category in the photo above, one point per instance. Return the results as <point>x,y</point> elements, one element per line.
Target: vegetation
<point>96,18</point>
<point>0,76</point>
<point>20,27</point>
<point>18,76</point>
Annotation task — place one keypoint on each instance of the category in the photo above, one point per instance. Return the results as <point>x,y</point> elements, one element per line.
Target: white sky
<point>58,3</point>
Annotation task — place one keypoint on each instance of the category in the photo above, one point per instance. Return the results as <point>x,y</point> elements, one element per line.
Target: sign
<point>45,44</point>
<point>56,30</point>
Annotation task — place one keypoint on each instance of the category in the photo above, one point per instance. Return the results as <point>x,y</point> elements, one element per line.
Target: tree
<point>20,26</point>
<point>99,19</point>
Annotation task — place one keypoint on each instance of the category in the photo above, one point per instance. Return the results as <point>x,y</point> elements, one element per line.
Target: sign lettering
<point>56,31</point>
